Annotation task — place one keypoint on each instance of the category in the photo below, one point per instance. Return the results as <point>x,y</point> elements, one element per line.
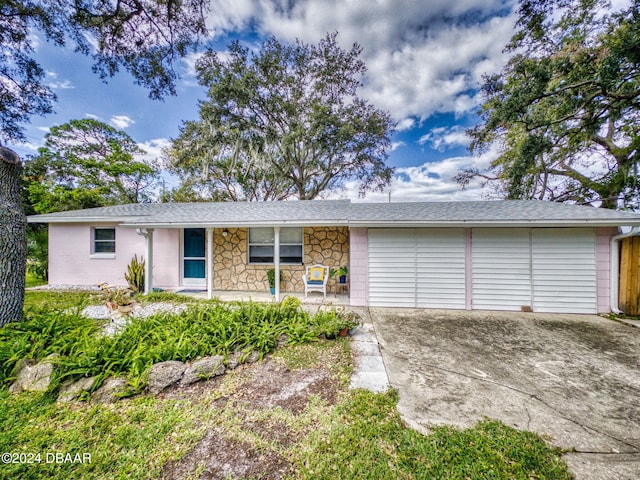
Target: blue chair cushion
<point>315,282</point>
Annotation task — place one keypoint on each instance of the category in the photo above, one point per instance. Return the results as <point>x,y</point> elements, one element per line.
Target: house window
<point>104,240</point>
<point>261,245</point>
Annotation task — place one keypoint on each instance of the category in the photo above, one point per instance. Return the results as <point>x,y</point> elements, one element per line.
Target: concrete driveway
<point>574,379</point>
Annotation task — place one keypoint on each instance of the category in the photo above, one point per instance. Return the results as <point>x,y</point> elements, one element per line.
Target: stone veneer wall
<point>231,270</point>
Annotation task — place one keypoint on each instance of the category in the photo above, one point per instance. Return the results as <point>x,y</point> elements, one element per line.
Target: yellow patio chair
<point>315,279</point>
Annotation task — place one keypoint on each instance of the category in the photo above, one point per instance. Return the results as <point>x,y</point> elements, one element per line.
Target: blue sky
<point>425,63</point>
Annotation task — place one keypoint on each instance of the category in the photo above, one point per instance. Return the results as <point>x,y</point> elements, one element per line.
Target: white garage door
<point>548,269</point>
<point>501,268</point>
<point>422,268</point>
<point>564,270</point>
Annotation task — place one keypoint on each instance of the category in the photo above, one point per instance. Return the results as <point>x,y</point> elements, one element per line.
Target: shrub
<point>202,329</point>
<point>38,252</point>
<point>135,274</point>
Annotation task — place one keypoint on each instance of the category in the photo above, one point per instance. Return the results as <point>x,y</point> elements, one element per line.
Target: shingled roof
<point>513,213</point>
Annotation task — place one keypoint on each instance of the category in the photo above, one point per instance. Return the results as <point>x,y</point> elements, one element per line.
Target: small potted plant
<point>348,321</point>
<point>271,278</point>
<point>341,272</point>
<point>118,298</point>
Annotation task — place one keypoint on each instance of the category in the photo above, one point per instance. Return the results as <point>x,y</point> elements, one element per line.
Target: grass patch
<point>131,440</point>
<point>344,434</point>
<point>366,439</point>
<point>168,297</point>
<point>36,300</point>
<point>359,435</point>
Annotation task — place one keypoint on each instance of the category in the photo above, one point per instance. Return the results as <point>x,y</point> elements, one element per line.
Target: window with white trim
<point>104,240</point>
<point>262,240</point>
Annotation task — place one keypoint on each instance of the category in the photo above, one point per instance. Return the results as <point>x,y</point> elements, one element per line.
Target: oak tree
<point>283,122</point>
<point>565,111</point>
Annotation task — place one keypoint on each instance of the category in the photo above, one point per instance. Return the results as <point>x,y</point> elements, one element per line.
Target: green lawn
<point>355,434</point>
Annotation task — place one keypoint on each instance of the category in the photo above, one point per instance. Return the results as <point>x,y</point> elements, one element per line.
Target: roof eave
<point>246,224</point>
<point>101,219</point>
<point>495,224</point>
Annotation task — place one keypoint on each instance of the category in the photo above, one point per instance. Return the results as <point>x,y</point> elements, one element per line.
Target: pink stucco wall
<point>71,261</point>
<point>359,266</point>
<point>603,267</point>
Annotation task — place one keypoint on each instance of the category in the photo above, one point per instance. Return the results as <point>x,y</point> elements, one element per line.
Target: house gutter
<point>614,262</point>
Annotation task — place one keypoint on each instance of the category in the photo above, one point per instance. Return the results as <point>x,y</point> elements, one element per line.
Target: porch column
<point>148,258</point>
<point>276,259</point>
<point>209,263</point>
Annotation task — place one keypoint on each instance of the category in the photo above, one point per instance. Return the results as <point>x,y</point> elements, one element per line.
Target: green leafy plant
<point>135,274</point>
<point>271,277</point>
<point>116,297</point>
<point>203,329</point>
<point>38,252</point>
<point>340,271</point>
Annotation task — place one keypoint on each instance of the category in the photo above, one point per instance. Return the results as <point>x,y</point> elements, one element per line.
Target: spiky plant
<point>135,274</point>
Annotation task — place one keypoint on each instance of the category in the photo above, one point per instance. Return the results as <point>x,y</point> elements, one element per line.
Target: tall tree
<point>145,37</point>
<point>86,163</point>
<point>565,111</point>
<point>13,245</point>
<point>283,122</point>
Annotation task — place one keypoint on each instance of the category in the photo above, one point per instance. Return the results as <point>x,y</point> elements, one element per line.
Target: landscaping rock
<point>233,360</point>
<point>253,357</point>
<point>32,377</point>
<point>109,391</point>
<point>165,374</point>
<point>70,391</point>
<point>204,369</point>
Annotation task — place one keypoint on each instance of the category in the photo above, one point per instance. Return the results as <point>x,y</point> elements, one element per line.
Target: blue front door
<point>194,260</point>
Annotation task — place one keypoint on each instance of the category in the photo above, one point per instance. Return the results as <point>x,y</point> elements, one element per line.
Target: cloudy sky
<point>425,63</point>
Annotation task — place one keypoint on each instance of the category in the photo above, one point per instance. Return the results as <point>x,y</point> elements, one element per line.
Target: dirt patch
<point>227,451</point>
<point>218,457</point>
<point>274,385</point>
<point>272,430</point>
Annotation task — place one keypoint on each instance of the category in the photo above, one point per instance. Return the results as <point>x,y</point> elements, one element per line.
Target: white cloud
<point>29,146</point>
<point>405,124</point>
<point>64,85</point>
<point>443,138</point>
<point>190,63</point>
<point>121,121</point>
<point>153,149</point>
<point>55,85</point>
<point>422,58</point>
<point>429,182</point>
<point>227,15</point>
<point>92,116</point>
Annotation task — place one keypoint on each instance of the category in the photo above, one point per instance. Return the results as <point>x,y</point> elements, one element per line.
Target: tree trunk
<point>13,243</point>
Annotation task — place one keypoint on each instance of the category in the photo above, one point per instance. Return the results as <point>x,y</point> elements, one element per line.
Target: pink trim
<point>359,266</point>
<point>603,267</point>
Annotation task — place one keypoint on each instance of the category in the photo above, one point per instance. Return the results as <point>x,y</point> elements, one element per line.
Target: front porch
<point>233,263</point>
